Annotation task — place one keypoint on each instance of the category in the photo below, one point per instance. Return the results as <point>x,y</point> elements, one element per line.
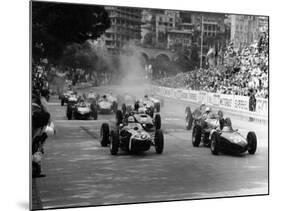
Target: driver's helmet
<point>207,110</point>
<point>131,119</point>
<point>145,97</point>
<point>141,110</point>
<point>104,97</point>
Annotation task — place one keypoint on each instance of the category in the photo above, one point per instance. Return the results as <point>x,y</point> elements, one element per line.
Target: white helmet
<point>208,109</point>
<point>141,110</point>
<point>131,119</point>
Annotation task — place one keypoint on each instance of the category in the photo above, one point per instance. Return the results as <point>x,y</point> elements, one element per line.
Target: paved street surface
<point>79,172</point>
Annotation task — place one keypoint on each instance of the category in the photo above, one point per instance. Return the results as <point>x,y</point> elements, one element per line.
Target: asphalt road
<point>79,172</point>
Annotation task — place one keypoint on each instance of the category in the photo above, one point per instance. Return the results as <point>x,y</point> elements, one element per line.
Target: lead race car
<point>229,140</point>
<point>81,110</point>
<point>131,137</point>
<point>67,95</point>
<point>107,104</point>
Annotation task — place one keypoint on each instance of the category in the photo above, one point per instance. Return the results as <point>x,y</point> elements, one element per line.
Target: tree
<point>57,25</point>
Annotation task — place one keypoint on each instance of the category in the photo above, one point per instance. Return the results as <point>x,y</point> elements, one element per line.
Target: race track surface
<point>79,172</point>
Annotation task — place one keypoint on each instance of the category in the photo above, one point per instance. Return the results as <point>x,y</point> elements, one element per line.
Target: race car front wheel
<point>188,118</point>
<point>215,144</point>
<point>114,142</point>
<point>252,142</point>
<point>159,141</point>
<point>104,134</point>
<point>157,121</point>
<point>62,102</point>
<point>196,136</point>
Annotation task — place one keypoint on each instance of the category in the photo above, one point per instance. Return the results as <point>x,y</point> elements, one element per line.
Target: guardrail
<point>231,103</point>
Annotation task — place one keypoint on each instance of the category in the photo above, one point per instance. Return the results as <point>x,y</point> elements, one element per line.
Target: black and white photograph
<point>134,105</point>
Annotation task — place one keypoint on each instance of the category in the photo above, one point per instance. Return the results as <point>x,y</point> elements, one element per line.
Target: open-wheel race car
<point>143,115</point>
<point>204,124</point>
<point>130,136</point>
<point>67,96</point>
<point>81,110</point>
<point>107,104</point>
<point>229,140</point>
<point>193,117</point>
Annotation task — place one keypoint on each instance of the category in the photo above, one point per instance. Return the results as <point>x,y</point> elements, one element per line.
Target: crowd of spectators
<point>247,74</point>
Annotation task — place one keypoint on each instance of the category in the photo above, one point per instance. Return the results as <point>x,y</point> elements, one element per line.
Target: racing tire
<point>252,142</point>
<point>159,141</point>
<point>157,121</point>
<point>196,136</point>
<point>114,142</point>
<point>215,144</point>
<point>62,102</point>
<point>104,134</point>
<point>189,118</point>
<point>119,117</point>
<point>69,114</point>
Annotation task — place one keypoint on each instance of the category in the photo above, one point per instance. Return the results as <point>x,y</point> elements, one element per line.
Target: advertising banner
<point>262,106</point>
<point>203,97</point>
<point>226,101</point>
<point>193,96</point>
<point>185,95</point>
<point>241,103</point>
<point>213,99</point>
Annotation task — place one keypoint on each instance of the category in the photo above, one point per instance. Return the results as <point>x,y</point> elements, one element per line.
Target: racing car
<point>142,115</point>
<point>81,110</point>
<point>191,117</point>
<point>229,140</point>
<point>204,123</point>
<point>131,137</point>
<point>106,104</point>
<point>66,96</point>
<point>158,103</point>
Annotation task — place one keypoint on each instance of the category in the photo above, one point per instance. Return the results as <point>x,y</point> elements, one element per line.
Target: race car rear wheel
<point>104,134</point>
<point>69,114</point>
<point>215,145</point>
<point>159,141</point>
<point>157,121</point>
<point>119,117</point>
<point>196,136</point>
<point>62,102</point>
<point>188,118</point>
<point>114,142</point>
<point>252,142</point>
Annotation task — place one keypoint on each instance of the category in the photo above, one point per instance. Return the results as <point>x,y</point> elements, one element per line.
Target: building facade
<point>244,30</point>
<point>125,27</point>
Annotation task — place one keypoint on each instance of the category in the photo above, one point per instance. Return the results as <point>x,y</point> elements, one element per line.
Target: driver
<point>207,113</point>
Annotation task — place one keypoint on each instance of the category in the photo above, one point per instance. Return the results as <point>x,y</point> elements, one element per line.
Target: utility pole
<point>202,32</point>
